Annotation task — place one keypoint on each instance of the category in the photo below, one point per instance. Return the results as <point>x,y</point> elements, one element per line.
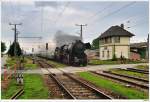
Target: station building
<point>115,41</point>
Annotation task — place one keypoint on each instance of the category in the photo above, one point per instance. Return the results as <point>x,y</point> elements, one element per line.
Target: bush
<point>114,58</point>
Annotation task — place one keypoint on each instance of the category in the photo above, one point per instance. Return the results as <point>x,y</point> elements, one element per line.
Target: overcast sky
<point>45,18</point>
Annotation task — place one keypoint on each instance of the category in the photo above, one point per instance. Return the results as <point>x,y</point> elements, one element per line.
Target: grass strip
<point>109,62</point>
<point>34,87</point>
<point>28,63</point>
<point>30,66</point>
<point>12,88</point>
<point>144,67</point>
<point>114,87</point>
<point>100,62</point>
<point>11,61</point>
<point>130,73</point>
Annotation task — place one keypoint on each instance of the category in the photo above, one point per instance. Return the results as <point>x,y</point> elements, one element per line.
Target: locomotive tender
<point>73,53</point>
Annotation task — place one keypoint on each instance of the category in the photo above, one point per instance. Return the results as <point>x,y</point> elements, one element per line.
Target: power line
<point>102,10</point>
<point>126,19</point>
<point>138,24</point>
<point>61,13</point>
<point>30,37</point>
<point>42,18</point>
<point>116,11</point>
<point>19,8</point>
<point>11,8</point>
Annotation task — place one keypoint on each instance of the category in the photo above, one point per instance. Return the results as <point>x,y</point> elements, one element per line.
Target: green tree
<point>95,43</point>
<point>3,47</point>
<point>11,49</point>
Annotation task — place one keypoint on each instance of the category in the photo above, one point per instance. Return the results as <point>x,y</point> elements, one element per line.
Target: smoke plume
<point>62,38</point>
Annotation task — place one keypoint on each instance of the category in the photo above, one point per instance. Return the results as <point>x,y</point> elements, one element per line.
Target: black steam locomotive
<point>72,54</point>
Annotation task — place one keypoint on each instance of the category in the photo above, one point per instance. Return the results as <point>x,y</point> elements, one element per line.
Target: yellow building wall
<point>124,40</point>
<point>106,53</point>
<point>120,48</point>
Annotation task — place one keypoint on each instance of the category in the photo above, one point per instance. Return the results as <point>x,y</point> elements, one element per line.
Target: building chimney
<point>122,26</point>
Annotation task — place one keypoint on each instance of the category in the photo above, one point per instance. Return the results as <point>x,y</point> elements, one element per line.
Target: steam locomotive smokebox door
<point>87,45</point>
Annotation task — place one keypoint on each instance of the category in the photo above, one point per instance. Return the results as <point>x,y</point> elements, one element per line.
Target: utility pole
<point>17,32</point>
<point>81,25</point>
<point>15,35</point>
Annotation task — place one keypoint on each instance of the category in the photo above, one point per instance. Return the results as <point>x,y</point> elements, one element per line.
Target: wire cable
<point>61,13</point>
<point>116,11</point>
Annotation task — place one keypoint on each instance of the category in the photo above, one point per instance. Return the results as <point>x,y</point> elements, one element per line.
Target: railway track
<point>56,87</point>
<point>118,78</point>
<point>138,70</point>
<point>17,94</point>
<point>74,88</point>
<point>44,64</point>
<point>79,89</point>
<point>126,76</point>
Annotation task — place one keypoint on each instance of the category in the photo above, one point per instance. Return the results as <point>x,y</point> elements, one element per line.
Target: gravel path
<point>71,69</point>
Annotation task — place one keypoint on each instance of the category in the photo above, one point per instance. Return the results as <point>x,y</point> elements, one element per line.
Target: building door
<point>108,54</point>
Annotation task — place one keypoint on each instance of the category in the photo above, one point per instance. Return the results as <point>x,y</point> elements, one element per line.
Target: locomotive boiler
<point>73,53</point>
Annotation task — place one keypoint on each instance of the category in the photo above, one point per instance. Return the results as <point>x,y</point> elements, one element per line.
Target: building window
<point>105,48</point>
<point>117,39</point>
<point>109,40</point>
<point>97,53</point>
<point>108,54</point>
<point>102,41</point>
<point>106,40</point>
<point>103,54</point>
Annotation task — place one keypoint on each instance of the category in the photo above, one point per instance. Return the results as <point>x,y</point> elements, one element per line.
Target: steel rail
<point>101,94</point>
<point>45,63</point>
<point>57,81</point>
<point>126,76</point>
<point>62,86</point>
<point>17,94</point>
<point>122,80</point>
<point>137,70</point>
<point>90,87</point>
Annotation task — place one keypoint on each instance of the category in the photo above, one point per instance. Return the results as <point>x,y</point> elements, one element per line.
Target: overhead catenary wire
<point>102,10</point>
<point>129,19</point>
<point>138,24</point>
<point>61,13</point>
<point>126,19</point>
<point>42,19</point>
<point>116,11</point>
<point>12,9</point>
